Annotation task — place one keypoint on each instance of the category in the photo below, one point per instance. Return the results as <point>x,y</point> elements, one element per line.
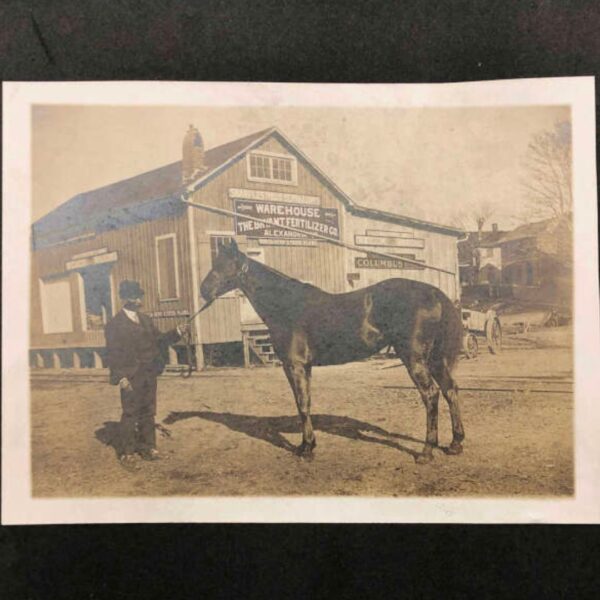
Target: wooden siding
<point>440,251</point>
<point>136,259</point>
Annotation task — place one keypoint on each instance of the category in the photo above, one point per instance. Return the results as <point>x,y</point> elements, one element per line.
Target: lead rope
<point>188,338</point>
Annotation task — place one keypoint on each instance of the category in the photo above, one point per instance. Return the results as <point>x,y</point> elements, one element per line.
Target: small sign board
<point>297,242</point>
<point>99,259</point>
<point>169,313</point>
<point>390,242</point>
<point>405,233</point>
<point>242,194</point>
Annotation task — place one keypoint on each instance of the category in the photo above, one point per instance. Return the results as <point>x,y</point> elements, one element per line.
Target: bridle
<point>188,338</point>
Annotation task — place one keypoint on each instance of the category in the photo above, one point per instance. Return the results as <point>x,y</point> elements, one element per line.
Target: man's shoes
<point>129,462</point>
<point>152,454</point>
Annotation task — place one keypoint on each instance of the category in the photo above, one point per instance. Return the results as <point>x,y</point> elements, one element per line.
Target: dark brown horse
<point>311,327</point>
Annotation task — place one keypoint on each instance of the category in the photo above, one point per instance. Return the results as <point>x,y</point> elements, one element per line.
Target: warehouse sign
<point>311,219</point>
<point>380,262</point>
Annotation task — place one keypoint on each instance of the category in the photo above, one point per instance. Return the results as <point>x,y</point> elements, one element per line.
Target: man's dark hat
<point>130,289</point>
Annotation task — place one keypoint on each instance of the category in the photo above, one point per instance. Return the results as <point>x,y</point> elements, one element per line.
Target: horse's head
<point>228,268</point>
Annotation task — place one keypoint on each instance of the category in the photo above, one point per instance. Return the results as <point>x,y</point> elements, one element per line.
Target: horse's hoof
<point>454,448</point>
<point>305,450</point>
<point>423,459</point>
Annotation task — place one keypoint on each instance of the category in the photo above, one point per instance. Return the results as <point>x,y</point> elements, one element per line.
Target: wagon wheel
<point>493,334</point>
<point>470,345</point>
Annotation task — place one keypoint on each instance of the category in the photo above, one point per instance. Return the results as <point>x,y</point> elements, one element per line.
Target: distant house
<point>537,260</point>
<point>480,257</point>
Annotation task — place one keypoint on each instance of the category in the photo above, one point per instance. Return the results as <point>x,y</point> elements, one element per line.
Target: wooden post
<point>55,360</point>
<point>172,356</point>
<point>246,349</point>
<point>200,360</point>
<point>76,360</point>
<point>197,333</point>
<point>97,360</point>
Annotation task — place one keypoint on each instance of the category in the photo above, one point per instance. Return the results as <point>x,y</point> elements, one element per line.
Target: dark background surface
<point>406,42</point>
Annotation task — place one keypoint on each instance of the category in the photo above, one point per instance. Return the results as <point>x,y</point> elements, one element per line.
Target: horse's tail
<point>448,340</point>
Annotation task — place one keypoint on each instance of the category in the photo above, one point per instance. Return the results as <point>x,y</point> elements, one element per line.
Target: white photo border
<point>19,507</point>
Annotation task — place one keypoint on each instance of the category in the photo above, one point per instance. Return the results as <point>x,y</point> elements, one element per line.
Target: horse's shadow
<point>270,429</point>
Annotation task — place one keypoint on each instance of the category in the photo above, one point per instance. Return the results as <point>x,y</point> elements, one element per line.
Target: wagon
<point>478,324</point>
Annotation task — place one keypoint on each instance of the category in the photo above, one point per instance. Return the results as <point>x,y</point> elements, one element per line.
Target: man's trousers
<point>138,432</point>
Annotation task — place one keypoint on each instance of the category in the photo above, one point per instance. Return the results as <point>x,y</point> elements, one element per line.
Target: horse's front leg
<point>298,375</point>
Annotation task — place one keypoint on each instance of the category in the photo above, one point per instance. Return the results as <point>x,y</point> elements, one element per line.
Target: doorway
<point>97,295</point>
<point>248,315</point>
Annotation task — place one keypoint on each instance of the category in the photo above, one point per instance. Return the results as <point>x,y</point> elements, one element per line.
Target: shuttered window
<point>167,267</point>
<point>56,305</point>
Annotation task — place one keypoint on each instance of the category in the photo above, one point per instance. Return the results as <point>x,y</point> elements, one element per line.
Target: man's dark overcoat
<point>138,352</point>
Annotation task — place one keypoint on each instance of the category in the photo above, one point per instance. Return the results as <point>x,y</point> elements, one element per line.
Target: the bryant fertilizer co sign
<point>312,219</point>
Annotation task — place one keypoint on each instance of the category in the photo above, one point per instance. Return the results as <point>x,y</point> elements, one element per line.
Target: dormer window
<point>273,168</point>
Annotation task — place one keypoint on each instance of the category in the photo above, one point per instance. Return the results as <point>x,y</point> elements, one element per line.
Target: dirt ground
<point>233,432</point>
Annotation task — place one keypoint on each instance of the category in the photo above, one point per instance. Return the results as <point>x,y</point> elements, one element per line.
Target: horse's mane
<point>274,273</point>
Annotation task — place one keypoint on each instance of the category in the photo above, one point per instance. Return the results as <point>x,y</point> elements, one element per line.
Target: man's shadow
<point>109,434</point>
<point>270,429</point>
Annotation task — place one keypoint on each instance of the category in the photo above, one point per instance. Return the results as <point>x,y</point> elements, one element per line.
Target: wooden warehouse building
<point>140,229</point>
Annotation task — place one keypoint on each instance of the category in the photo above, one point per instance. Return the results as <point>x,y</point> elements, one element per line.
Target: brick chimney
<point>480,222</point>
<point>193,155</point>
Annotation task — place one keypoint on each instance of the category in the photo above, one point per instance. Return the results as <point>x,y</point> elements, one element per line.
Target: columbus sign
<point>311,219</point>
<point>381,262</point>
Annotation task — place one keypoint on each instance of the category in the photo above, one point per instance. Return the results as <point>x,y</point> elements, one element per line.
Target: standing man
<point>136,354</point>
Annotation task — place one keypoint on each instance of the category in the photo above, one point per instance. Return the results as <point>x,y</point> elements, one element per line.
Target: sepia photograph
<point>271,299</point>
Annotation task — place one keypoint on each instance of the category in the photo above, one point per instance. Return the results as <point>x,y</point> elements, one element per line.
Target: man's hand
<point>125,384</point>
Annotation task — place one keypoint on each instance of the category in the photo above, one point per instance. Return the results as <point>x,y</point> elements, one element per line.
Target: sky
<point>427,163</point>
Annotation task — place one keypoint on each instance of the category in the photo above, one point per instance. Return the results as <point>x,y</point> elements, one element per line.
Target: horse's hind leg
<point>419,372</point>
<point>444,378</point>
<point>298,375</point>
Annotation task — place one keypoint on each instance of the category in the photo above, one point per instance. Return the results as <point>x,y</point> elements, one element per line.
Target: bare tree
<point>548,179</point>
<point>474,216</point>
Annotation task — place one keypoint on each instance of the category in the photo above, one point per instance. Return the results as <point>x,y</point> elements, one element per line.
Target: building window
<point>282,169</point>
<point>167,267</point>
<point>275,168</point>
<point>57,312</point>
<point>528,274</point>
<point>216,243</point>
<point>260,166</point>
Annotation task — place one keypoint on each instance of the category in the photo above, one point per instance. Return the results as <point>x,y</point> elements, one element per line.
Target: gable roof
<point>107,207</point>
<point>352,207</point>
<point>388,217</point>
<point>157,193</point>
<point>484,239</point>
<point>534,229</point>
